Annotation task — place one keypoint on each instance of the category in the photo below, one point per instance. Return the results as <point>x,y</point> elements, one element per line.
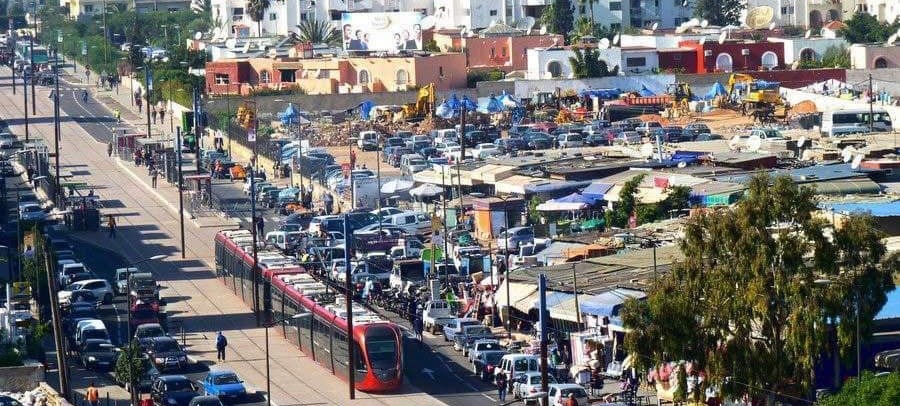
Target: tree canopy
<point>750,300</point>
<point>586,63</point>
<point>865,28</point>
<point>719,12</point>
<point>867,390</point>
<point>559,17</point>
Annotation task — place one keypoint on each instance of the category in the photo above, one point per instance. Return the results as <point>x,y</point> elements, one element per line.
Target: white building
<point>553,63</point>
<point>472,14</point>
<point>797,49</point>
<point>884,10</point>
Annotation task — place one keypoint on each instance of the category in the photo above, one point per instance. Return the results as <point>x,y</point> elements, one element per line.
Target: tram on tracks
<point>314,318</point>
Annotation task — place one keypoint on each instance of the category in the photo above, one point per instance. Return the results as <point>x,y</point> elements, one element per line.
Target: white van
<point>414,222</point>
<point>368,141</point>
<point>513,364</point>
<point>90,328</point>
<point>441,136</point>
<point>840,123</point>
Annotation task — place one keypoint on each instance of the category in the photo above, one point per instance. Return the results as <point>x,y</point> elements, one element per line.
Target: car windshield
<point>166,346</point>
<point>579,392</point>
<point>94,333</point>
<point>226,379</point>
<point>493,357</point>
<point>143,313</point>
<point>381,347</point>
<point>179,386</point>
<point>477,330</point>
<point>148,332</point>
<point>31,209</point>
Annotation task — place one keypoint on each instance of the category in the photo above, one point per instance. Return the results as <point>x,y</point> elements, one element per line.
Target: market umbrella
<point>507,100</point>
<point>396,186</point>
<point>494,105</point>
<point>716,90</point>
<point>468,104</point>
<point>453,102</point>
<point>646,92</point>
<point>571,202</point>
<point>365,108</point>
<point>426,190</point>
<point>443,110</point>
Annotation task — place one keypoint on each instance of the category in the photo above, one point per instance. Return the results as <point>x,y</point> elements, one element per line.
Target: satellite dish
<point>616,39</point>
<point>772,26</point>
<point>604,43</point>
<point>704,23</point>
<point>808,33</point>
<point>246,47</point>
<point>857,159</point>
<point>891,39</point>
<point>198,35</point>
<point>230,43</point>
<point>722,37</point>
<point>428,22</point>
<point>492,23</point>
<point>543,30</point>
<point>682,164</point>
<point>807,155</point>
<point>525,24</point>
<point>647,150</point>
<point>734,143</point>
<point>702,40</point>
<point>759,17</point>
<point>216,32</point>
<point>847,153</point>
<point>654,26</point>
<point>753,143</point>
<point>801,142</point>
<point>273,52</point>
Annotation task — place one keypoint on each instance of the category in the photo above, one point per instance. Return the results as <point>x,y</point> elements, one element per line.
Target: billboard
<point>382,32</point>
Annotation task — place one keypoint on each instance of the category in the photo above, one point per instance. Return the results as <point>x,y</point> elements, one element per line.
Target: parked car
<point>708,137</point>
<point>225,384</point>
<point>538,140</point>
<point>628,138</point>
<point>527,385</point>
<point>469,335</point>
<point>166,354</point>
<point>647,127</point>
<point>673,133</point>
<point>484,363</point>
<point>455,326</point>
<point>559,394</point>
<point>368,140</point>
<point>570,140</point>
<point>101,288</point>
<point>121,280</point>
<point>766,134</point>
<point>412,163</point>
<point>32,212</point>
<point>485,150</point>
<point>98,354</point>
<point>482,346</point>
<point>146,380</point>
<point>173,390</point>
<point>145,333</point>
<point>512,238</point>
<point>205,401</point>
<point>511,144</point>
<point>695,129</point>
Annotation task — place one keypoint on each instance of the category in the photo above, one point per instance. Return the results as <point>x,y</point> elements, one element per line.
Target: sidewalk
<point>148,226</point>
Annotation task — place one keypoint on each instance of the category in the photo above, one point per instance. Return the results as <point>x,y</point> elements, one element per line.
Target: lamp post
<point>268,371</point>
<point>31,54</point>
<point>128,295</point>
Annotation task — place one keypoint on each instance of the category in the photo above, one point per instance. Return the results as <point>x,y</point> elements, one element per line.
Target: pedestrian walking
<point>152,112</point>
<point>92,394</point>
<point>571,401</point>
<point>84,95</point>
<point>162,114</point>
<point>418,326</point>
<point>501,386</point>
<point>221,343</point>
<point>154,173</point>
<point>109,148</point>
<point>260,226</point>
<point>112,227</point>
<point>118,115</point>
<point>329,202</point>
<point>137,102</point>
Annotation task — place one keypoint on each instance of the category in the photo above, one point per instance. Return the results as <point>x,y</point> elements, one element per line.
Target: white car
<point>559,394</point>
<point>7,140</point>
<point>527,385</point>
<point>386,211</point>
<point>453,153</point>
<point>485,150</point>
<point>570,140</point>
<point>101,288</point>
<point>31,212</point>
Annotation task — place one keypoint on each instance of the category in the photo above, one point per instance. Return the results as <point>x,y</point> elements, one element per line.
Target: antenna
<point>526,24</point>
<point>857,159</point>
<point>847,153</point>
<point>616,39</point>
<point>753,143</point>
<point>722,37</point>
<point>801,142</point>
<point>647,150</point>
<point>807,34</point>
<point>604,43</point>
<point>198,35</point>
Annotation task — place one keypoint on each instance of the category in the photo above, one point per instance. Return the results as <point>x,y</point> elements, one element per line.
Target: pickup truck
<point>469,335</point>
<point>375,242</point>
<point>456,326</point>
<point>436,314</point>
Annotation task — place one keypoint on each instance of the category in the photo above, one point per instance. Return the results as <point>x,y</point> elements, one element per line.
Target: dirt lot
<point>367,158</point>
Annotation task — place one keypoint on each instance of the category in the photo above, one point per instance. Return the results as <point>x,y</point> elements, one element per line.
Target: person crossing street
<point>221,343</point>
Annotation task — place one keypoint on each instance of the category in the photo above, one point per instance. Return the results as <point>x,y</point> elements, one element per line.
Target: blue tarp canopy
<point>716,90</point>
<point>876,209</point>
<point>575,198</point>
<point>646,92</point>
<point>608,303</point>
<point>365,109</point>
<point>602,94</point>
<point>553,186</point>
<point>596,190</point>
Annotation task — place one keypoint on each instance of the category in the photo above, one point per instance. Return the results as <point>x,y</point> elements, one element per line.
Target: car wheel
<point>107,298</point>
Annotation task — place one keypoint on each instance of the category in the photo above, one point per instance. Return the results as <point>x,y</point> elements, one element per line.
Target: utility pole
<point>871,105</point>
<point>148,88</point>
<point>25,96</point>
<point>462,155</point>
<point>31,56</point>
<point>348,236</point>
<point>544,315</point>
<point>12,59</point>
<point>180,187</point>
<point>57,326</point>
<point>251,137</point>
<point>57,131</point>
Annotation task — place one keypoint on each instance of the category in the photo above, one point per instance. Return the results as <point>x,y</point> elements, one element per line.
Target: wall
<point>23,378</point>
<point>539,59</point>
<point>446,71</point>
<point>682,60</point>
<point>739,62</point>
<point>865,56</point>
<point>882,79</point>
<point>650,57</point>
<point>794,46</point>
<point>478,50</point>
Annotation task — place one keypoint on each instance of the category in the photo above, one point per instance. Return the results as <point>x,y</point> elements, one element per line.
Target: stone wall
<point>23,378</point>
<point>882,79</point>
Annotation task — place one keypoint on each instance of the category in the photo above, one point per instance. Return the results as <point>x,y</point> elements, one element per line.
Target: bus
<point>314,319</point>
<point>24,51</point>
<point>840,123</point>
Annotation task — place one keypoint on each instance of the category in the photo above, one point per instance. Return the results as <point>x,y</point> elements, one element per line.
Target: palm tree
<point>586,63</point>
<point>257,10</point>
<point>590,6</point>
<point>318,32</point>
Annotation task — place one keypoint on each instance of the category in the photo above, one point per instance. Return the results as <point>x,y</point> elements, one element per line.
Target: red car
<point>143,313</point>
<point>544,127</point>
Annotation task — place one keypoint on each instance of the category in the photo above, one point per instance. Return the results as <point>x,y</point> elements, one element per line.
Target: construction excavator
<point>754,97</point>
<point>421,108</point>
<point>681,98</point>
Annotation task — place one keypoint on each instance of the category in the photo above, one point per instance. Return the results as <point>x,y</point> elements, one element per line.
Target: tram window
<point>360,363</point>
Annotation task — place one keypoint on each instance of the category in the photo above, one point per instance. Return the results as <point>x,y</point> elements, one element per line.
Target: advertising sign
<point>383,32</point>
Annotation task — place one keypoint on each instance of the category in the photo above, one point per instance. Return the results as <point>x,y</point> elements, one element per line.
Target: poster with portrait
<point>382,32</point>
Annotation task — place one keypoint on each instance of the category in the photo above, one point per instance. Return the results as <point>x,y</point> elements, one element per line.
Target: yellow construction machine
<point>423,104</point>
<point>754,97</point>
<point>681,97</point>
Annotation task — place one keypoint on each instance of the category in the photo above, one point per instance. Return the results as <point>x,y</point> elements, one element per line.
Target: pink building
<point>874,56</point>
<point>498,47</point>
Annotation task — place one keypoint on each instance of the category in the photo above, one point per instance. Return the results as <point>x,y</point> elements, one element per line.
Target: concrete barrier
<point>22,378</point>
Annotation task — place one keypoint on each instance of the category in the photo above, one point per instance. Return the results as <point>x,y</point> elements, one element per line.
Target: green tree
<point>618,216</point>
<point>867,390</point>
<point>865,28</point>
<point>836,57</point>
<point>590,6</point>
<point>586,63</point>
<point>744,302</point>
<point>719,12</point>
<point>130,367</point>
<point>319,32</point>
<point>257,10</point>
<point>563,17</point>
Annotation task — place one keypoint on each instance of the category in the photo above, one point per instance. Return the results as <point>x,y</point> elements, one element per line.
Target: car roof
<point>218,372</point>
<point>566,386</point>
<point>167,378</point>
<point>92,280</point>
<point>148,325</point>
<point>164,338</point>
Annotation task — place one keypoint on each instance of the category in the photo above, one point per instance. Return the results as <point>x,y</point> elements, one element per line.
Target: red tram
<point>320,331</point>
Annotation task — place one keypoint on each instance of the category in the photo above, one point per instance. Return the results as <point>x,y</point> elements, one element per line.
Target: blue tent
<point>608,303</point>
<point>716,90</point>
<point>468,104</point>
<point>290,115</point>
<point>602,94</point>
<point>494,105</point>
<point>453,102</point>
<point>596,190</point>
<point>646,92</point>
<point>365,109</point>
<point>443,110</point>
<point>508,100</point>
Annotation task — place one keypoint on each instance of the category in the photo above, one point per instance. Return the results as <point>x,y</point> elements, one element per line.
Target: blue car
<point>224,384</point>
<point>172,390</point>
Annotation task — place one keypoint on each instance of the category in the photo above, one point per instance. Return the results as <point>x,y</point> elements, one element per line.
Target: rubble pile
<point>31,398</point>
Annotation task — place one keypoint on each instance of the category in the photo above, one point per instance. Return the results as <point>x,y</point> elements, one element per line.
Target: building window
<point>635,62</point>
<point>304,16</point>
<point>615,6</point>
<point>554,68</point>
<point>402,77</point>
<point>503,52</point>
<point>807,55</point>
<point>723,62</point>
<point>769,60</point>
<point>440,71</point>
<point>881,63</point>
<point>237,11</point>
<point>288,75</point>
<point>787,10</point>
<point>492,53</point>
<point>273,16</point>
<point>493,13</point>
<point>363,77</point>
<point>265,76</point>
<point>221,78</point>
<point>88,8</point>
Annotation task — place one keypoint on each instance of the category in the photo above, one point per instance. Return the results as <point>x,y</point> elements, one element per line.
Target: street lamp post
<point>128,287</point>
<point>31,55</point>
<point>148,88</point>
<point>268,370</point>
